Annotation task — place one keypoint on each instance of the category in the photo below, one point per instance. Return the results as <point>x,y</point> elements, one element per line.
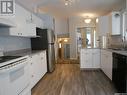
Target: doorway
<point>64,52</point>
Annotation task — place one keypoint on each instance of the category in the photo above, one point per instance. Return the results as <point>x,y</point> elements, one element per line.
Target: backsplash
<point>8,43</point>
<point>116,42</point>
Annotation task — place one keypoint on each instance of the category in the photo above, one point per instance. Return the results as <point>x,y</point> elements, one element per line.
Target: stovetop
<point>7,58</point>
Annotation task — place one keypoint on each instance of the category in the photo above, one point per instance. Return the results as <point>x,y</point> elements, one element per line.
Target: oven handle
<point>12,67</point>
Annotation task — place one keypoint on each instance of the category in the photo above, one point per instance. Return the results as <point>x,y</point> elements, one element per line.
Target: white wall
<point>74,23</point>
<point>14,43</point>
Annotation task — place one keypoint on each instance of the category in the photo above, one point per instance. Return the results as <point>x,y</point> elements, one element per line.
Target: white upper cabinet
<point>103,25</point>
<point>25,21</point>
<point>49,21</point>
<point>115,18</point>
<point>38,21</point>
<point>110,24</point>
<point>125,24</point>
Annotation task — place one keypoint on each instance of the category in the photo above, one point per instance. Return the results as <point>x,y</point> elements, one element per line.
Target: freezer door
<point>51,36</point>
<point>51,58</point>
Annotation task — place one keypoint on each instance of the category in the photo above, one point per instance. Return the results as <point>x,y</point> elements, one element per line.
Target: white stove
<point>14,75</point>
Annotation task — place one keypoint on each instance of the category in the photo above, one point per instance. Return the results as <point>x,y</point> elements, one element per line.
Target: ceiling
<point>91,8</point>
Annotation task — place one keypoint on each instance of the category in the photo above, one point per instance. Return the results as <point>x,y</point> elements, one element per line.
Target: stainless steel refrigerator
<point>45,41</point>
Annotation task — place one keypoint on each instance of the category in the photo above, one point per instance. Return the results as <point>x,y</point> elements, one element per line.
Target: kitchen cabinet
<point>103,25</point>
<point>124,24</point>
<point>110,24</point>
<point>25,24</point>
<point>38,21</point>
<point>49,21</point>
<point>96,58</point>
<point>23,28</point>
<point>90,58</point>
<point>115,23</point>
<point>38,67</point>
<point>106,62</point>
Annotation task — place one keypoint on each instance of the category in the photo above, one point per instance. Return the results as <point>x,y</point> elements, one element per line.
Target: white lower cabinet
<point>90,58</point>
<point>38,67</point>
<point>96,58</point>
<point>106,62</point>
<point>27,91</point>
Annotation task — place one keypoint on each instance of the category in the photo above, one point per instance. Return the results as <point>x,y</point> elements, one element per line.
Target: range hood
<point>6,23</point>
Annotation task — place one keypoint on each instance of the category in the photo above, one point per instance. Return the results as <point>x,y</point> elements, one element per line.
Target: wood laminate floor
<point>67,79</point>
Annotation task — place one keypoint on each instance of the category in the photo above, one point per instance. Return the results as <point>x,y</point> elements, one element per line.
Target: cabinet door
<point>116,23</point>
<point>38,21</point>
<point>49,21</point>
<point>34,70</point>
<point>103,25</point>
<point>125,24</point>
<point>96,58</point>
<point>103,61</point>
<point>86,58</point>
<point>43,63</point>
<point>109,65</point>
<point>106,63</point>
<point>30,30</point>
<point>20,20</point>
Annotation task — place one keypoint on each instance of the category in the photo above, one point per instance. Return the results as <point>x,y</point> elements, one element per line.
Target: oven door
<point>14,80</point>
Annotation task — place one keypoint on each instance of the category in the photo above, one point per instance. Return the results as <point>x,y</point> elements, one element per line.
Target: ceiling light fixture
<point>88,20</point>
<point>65,40</point>
<point>69,2</point>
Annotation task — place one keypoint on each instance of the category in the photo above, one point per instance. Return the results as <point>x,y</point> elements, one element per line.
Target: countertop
<point>30,52</point>
<point>122,52</point>
<point>23,52</point>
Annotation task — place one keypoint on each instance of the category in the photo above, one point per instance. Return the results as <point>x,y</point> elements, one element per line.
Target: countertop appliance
<point>14,75</point>
<point>120,72</point>
<point>45,42</point>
